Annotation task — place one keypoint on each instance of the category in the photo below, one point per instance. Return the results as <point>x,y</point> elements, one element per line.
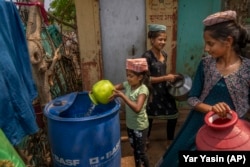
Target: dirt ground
<point>157,146</point>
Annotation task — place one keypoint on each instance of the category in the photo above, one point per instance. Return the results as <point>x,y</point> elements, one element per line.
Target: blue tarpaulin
<point>17,116</point>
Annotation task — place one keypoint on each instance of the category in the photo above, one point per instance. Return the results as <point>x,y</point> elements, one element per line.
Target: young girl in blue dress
<point>221,83</point>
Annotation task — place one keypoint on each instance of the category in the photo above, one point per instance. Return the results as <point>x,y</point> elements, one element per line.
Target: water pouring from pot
<point>100,93</point>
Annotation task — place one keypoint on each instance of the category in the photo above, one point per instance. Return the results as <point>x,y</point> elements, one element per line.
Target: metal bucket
<point>180,88</point>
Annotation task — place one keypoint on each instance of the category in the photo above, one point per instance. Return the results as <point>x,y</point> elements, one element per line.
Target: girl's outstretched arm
<point>136,106</point>
<point>119,86</point>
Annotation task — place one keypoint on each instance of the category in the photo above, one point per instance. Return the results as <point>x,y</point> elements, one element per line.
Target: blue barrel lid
<point>56,107</point>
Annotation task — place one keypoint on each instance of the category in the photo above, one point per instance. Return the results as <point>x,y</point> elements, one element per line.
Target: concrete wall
<point>112,30</point>
<point>88,24</point>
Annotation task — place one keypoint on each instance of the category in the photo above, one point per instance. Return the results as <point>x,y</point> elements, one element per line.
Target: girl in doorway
<point>163,105</point>
<point>135,97</point>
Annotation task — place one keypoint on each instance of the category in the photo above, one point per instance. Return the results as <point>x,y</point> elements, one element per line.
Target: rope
<point>41,7</point>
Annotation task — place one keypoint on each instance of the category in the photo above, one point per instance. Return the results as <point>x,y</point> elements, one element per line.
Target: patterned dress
<point>210,87</point>
<point>163,105</point>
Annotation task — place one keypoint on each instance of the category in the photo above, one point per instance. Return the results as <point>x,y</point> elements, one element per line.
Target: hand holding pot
<point>116,93</point>
<point>221,109</point>
<point>172,77</point>
<point>223,134</point>
<point>180,88</point>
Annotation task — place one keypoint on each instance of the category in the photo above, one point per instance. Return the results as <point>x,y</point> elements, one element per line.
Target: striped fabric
<point>137,65</point>
<point>219,17</point>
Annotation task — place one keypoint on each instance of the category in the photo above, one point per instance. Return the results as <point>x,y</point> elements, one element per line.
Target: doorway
<point>123,34</point>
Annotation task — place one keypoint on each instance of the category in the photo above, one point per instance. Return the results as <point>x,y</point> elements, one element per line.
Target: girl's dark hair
<point>155,34</point>
<point>145,80</point>
<point>222,30</point>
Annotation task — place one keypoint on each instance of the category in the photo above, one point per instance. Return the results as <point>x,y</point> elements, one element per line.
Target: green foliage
<point>64,11</point>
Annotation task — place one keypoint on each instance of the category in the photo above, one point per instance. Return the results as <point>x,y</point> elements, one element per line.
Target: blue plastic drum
<point>82,138</point>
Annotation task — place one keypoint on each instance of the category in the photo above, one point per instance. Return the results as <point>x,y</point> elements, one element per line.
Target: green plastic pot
<point>101,91</point>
